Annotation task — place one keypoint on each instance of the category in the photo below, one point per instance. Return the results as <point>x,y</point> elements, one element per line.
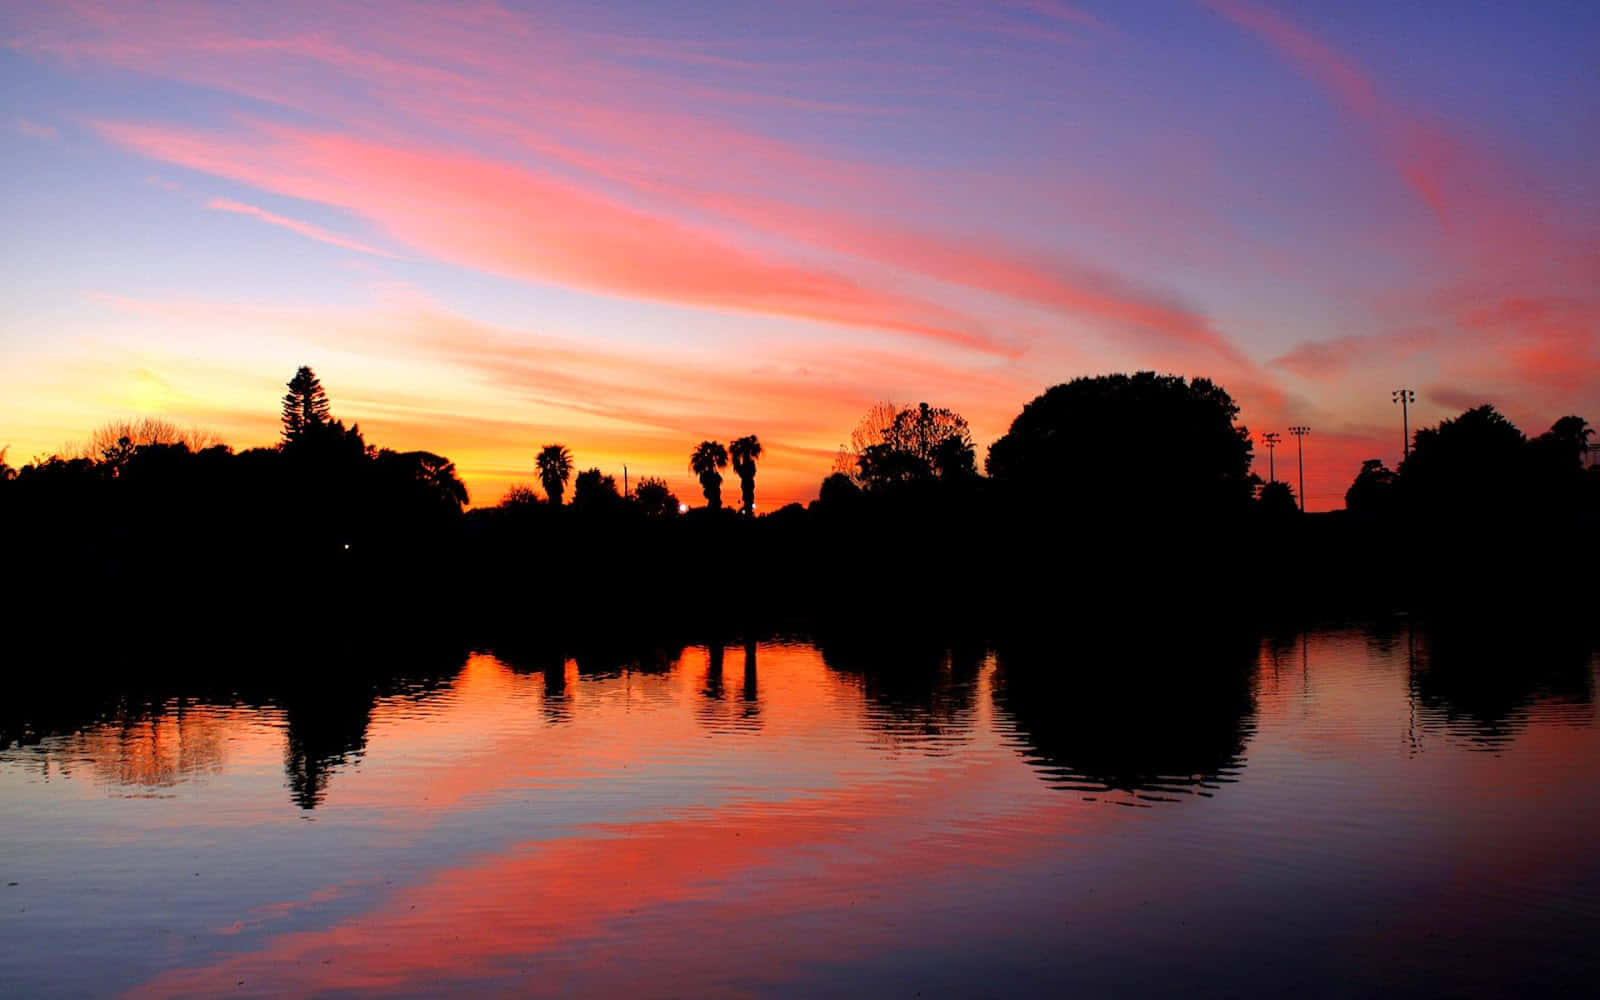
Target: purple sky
<point>628,227</point>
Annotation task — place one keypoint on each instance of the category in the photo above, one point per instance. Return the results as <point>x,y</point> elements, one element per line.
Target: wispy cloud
<point>508,220</point>
<point>36,130</point>
<point>294,225</point>
<point>1419,153</point>
<point>609,168</point>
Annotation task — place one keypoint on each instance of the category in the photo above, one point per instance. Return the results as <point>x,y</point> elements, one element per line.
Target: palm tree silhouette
<point>744,452</point>
<point>555,466</point>
<point>704,462</point>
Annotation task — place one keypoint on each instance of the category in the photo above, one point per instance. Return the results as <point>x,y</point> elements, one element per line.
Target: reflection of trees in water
<point>917,691</point>
<point>750,691</point>
<point>145,746</point>
<point>175,726</point>
<point>549,660</point>
<point>1479,681</point>
<point>325,729</point>
<point>721,710</point>
<point>1146,716</point>
<point>602,659</point>
<point>714,656</point>
<point>593,657</point>
<point>327,703</point>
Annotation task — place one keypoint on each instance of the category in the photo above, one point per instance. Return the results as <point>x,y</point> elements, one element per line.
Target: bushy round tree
<point>1124,444</point>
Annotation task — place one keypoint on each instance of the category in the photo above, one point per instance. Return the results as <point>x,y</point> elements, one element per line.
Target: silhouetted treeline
<point>149,535</point>
<point>1119,495</point>
<point>1478,519</point>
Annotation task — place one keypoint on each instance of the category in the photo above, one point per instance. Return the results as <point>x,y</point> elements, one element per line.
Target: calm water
<point>1334,813</point>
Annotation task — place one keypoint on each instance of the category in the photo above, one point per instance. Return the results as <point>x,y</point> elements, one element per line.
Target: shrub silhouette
<point>1277,501</point>
<point>654,499</point>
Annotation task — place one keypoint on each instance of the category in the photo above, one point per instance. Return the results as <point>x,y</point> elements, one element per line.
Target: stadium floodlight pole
<point>1270,439</point>
<point>1300,431</point>
<point>1405,397</point>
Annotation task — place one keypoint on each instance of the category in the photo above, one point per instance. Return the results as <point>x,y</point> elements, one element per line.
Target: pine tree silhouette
<point>305,405</point>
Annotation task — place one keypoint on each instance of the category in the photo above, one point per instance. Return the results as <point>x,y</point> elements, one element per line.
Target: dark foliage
<point>707,458</point>
<point>327,530</point>
<point>1276,502</point>
<point>305,405</point>
<point>743,452</point>
<point>1129,446</point>
<point>554,465</point>
<point>654,498</point>
<point>1373,492</point>
<point>1477,463</point>
<point>1479,468</point>
<point>595,494</point>
<point>916,445</point>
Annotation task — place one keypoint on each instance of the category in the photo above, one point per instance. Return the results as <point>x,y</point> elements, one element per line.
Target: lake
<point>1340,812</point>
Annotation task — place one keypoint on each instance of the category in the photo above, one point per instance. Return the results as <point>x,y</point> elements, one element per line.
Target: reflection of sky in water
<point>840,824</point>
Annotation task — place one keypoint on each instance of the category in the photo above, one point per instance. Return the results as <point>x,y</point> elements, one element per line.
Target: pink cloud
<point>509,220</point>
<point>586,107</point>
<point>1419,154</point>
<point>36,130</point>
<point>1333,359</point>
<point>294,225</point>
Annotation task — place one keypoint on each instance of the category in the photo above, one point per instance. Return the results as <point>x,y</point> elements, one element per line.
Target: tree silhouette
<point>1277,501</point>
<point>707,458</point>
<point>433,475</point>
<point>305,405</point>
<point>1562,449</point>
<point>1071,447</point>
<point>869,430</point>
<point>519,497</point>
<point>595,492</point>
<point>838,491</point>
<point>1373,491</point>
<point>914,444</point>
<point>147,431</point>
<point>654,498</point>
<point>554,464</point>
<point>744,452</point>
<point>115,455</point>
<point>1477,463</point>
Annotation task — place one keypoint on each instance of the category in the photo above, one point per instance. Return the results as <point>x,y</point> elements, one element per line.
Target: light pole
<point>1405,397</point>
<point>1270,439</point>
<point>1300,431</point>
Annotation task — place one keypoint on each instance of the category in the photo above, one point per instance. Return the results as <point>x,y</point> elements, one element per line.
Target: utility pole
<point>624,481</point>
<point>1405,397</point>
<point>1270,438</point>
<point>1300,431</point>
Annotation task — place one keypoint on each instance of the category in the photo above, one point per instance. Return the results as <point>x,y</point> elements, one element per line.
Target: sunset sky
<point>627,227</point>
